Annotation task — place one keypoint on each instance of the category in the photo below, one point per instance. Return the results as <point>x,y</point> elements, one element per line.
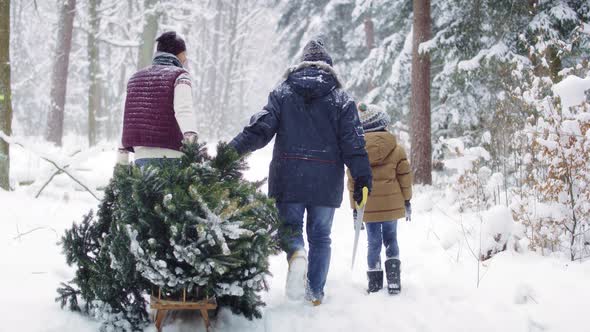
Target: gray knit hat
<point>315,51</point>
<point>373,118</point>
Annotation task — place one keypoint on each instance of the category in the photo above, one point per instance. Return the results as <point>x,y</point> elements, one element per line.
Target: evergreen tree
<point>474,48</point>
<point>194,224</point>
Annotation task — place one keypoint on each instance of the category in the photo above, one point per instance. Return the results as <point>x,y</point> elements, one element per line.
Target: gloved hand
<point>408,211</point>
<point>237,147</point>
<point>358,196</point>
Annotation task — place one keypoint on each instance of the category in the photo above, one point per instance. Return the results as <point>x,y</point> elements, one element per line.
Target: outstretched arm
<point>352,144</point>
<point>262,128</point>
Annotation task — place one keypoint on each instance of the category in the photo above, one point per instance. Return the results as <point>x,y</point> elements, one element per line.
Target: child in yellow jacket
<point>389,199</point>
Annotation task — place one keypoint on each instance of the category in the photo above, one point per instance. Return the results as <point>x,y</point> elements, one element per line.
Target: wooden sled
<point>162,306</point>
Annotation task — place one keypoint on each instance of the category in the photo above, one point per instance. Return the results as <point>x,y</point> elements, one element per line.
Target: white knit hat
<point>373,117</point>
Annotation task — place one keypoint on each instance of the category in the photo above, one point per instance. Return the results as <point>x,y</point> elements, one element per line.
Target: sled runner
<point>162,306</point>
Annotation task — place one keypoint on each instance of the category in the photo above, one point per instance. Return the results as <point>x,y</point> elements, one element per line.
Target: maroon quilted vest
<point>149,109</point>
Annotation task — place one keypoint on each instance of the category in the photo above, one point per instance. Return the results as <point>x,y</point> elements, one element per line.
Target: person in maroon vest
<point>159,106</point>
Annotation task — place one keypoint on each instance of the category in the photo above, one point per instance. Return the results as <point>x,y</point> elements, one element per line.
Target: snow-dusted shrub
<point>474,186</point>
<point>554,201</point>
<point>498,231</point>
<point>555,207</point>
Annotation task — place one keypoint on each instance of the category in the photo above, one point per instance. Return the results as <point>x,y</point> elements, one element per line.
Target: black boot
<point>392,271</point>
<point>375,281</point>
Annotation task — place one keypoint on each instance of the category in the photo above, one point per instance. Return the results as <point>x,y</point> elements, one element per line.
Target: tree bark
<point>212,92</point>
<point>5,93</point>
<point>93,72</point>
<point>59,78</point>
<point>369,33</point>
<point>228,84</point>
<point>421,155</point>
<point>370,40</point>
<point>148,36</point>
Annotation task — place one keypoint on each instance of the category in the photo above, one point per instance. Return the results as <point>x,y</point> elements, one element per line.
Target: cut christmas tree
<point>192,224</point>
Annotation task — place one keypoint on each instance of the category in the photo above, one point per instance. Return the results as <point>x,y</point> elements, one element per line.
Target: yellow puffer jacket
<point>392,178</point>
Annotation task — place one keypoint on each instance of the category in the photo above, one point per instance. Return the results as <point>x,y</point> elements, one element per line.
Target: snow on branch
<point>498,50</point>
<point>572,90</point>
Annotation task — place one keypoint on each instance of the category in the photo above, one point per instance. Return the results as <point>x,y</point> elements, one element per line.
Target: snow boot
<point>375,281</point>
<point>297,275</point>
<point>311,297</point>
<point>392,272</point>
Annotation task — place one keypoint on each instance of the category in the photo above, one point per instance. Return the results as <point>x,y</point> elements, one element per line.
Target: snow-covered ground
<point>517,291</point>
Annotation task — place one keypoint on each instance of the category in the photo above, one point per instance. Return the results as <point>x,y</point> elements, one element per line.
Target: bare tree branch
<point>116,43</point>
<point>58,172</point>
<point>20,235</point>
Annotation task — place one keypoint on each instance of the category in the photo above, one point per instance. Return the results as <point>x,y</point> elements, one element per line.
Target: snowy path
<point>519,292</point>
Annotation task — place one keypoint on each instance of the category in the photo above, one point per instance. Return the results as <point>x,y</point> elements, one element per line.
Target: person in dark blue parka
<point>317,132</point>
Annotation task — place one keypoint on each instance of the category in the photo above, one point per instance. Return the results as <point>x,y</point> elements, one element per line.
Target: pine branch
<point>67,294</point>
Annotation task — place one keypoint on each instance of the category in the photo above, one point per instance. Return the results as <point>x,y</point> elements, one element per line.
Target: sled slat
<point>163,306</point>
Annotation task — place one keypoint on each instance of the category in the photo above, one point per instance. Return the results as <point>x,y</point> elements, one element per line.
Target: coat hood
<point>312,79</point>
<point>379,145</point>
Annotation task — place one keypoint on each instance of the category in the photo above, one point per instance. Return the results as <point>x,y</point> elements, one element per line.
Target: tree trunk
<point>149,34</point>
<point>5,93</point>
<point>420,118</point>
<point>370,40</point>
<point>213,100</point>
<point>93,72</point>
<point>228,84</point>
<point>59,79</point>
<point>369,32</point>
<point>116,96</point>
<point>202,61</point>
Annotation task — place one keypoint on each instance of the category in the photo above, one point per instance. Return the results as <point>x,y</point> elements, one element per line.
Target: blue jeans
<point>381,233</point>
<point>318,227</point>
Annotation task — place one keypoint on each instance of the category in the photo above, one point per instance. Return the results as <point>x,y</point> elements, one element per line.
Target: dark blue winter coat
<point>317,131</point>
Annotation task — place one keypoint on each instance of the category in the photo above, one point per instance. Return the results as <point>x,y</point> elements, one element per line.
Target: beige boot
<point>297,275</point>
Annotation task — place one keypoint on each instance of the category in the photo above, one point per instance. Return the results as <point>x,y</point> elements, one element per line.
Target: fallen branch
<point>20,235</point>
<point>47,183</point>
<point>12,141</point>
<point>56,173</point>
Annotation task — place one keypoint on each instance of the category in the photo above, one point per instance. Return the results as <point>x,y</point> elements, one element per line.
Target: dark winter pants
<point>381,234</point>
<point>318,227</point>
